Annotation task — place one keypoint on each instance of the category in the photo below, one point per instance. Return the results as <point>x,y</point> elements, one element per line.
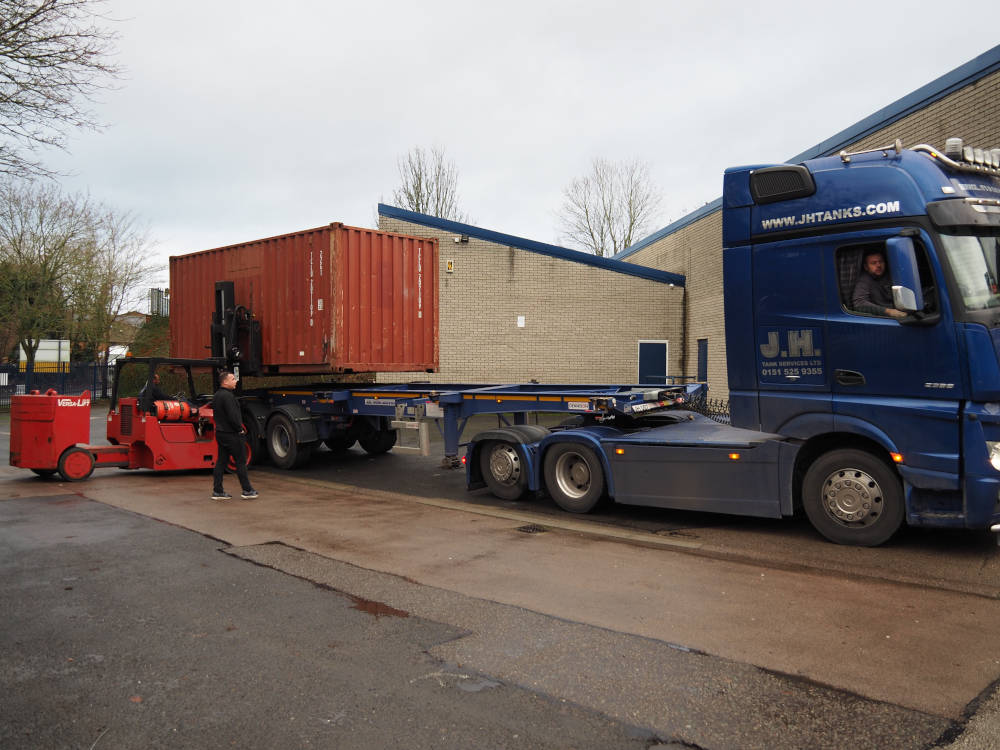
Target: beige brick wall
<point>582,323</point>
<point>972,113</point>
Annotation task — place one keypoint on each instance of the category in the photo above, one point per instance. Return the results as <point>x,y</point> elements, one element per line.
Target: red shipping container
<point>334,299</point>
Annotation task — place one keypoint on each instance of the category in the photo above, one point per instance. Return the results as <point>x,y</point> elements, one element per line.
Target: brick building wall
<point>695,250</point>
<point>582,324</point>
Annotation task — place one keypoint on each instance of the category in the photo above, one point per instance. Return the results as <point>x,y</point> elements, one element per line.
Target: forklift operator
<point>156,392</point>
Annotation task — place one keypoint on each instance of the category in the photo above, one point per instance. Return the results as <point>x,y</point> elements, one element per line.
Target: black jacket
<point>227,412</point>
<point>872,295</point>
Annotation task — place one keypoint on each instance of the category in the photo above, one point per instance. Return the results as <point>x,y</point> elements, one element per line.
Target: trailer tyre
<point>853,497</point>
<point>574,477</point>
<point>340,443</point>
<point>76,464</point>
<point>503,469</point>
<point>283,447</point>
<point>378,441</point>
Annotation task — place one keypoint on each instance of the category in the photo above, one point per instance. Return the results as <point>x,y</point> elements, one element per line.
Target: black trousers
<point>230,444</point>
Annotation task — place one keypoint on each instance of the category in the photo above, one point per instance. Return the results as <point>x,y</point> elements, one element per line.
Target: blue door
<point>653,362</point>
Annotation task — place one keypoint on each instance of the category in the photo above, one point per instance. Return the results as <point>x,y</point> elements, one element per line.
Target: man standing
<point>873,290</point>
<point>229,434</point>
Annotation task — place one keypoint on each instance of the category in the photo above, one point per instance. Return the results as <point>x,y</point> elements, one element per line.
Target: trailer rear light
<point>734,456</point>
<point>897,458</point>
<point>464,460</point>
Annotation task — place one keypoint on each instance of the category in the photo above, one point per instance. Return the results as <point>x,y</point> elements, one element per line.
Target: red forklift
<point>50,432</point>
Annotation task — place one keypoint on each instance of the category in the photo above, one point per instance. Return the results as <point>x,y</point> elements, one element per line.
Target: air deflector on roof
<point>772,184</point>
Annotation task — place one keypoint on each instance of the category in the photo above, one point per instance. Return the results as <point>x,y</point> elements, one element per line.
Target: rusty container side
<point>329,300</point>
<point>387,301</point>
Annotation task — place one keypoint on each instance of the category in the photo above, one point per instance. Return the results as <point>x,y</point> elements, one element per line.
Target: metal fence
<point>70,378</point>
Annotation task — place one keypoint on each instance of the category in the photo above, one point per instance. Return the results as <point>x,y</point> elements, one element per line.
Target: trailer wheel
<point>853,497</point>
<point>76,464</point>
<point>503,469</point>
<point>340,443</point>
<point>285,451</point>
<point>574,477</point>
<point>378,441</point>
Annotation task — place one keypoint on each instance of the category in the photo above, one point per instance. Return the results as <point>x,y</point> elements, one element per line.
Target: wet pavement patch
<point>376,609</point>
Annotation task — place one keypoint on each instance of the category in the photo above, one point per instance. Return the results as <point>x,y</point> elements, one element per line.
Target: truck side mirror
<point>906,292</point>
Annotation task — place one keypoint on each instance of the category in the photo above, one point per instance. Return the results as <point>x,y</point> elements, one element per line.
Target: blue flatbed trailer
<point>290,422</point>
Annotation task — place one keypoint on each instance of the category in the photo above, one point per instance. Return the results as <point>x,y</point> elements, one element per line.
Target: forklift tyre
<point>853,497</point>
<point>574,477</point>
<point>378,441</point>
<point>285,451</point>
<point>76,464</point>
<point>248,452</point>
<point>503,469</point>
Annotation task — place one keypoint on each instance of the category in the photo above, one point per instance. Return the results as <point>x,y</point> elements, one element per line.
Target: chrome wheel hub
<point>852,497</point>
<point>505,464</point>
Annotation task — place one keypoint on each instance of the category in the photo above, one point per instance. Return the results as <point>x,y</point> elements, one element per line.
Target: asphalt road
<point>124,632</point>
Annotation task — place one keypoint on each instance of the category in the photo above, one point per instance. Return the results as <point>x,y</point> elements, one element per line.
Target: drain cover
<point>532,528</point>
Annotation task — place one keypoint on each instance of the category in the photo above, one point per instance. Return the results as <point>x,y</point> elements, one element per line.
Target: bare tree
<point>68,267</point>
<point>42,234</point>
<point>429,184</point>
<point>112,277</point>
<point>54,56</point>
<point>608,209</point>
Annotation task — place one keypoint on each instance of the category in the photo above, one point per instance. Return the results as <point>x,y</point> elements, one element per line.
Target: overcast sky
<point>245,119</point>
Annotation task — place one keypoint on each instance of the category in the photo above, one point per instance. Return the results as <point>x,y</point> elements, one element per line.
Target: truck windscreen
<point>974,261</point>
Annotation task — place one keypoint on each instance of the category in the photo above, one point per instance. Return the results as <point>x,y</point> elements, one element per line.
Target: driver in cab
<point>873,289</point>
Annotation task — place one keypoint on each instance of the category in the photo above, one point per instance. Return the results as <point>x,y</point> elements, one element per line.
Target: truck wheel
<point>378,441</point>
<point>503,470</point>
<point>853,497</point>
<point>340,443</point>
<point>285,451</point>
<point>76,464</point>
<point>255,440</point>
<point>574,477</point>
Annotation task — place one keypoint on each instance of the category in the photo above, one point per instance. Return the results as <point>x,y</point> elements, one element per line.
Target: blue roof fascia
<point>963,75</point>
<point>960,77</point>
<point>554,251</point>
<point>691,218</point>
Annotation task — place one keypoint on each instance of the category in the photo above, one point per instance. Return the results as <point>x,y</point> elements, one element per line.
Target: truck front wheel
<point>503,470</point>
<point>574,477</point>
<point>853,497</point>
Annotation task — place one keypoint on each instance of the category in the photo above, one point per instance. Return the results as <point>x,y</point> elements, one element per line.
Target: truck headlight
<point>993,450</point>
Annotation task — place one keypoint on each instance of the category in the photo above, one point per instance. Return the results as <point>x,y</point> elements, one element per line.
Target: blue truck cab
<point>920,394</point>
<point>863,413</point>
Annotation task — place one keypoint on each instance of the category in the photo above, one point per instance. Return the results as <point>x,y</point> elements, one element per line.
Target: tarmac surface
<point>460,620</point>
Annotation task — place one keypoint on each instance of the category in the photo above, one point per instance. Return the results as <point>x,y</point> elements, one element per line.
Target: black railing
<point>72,378</point>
